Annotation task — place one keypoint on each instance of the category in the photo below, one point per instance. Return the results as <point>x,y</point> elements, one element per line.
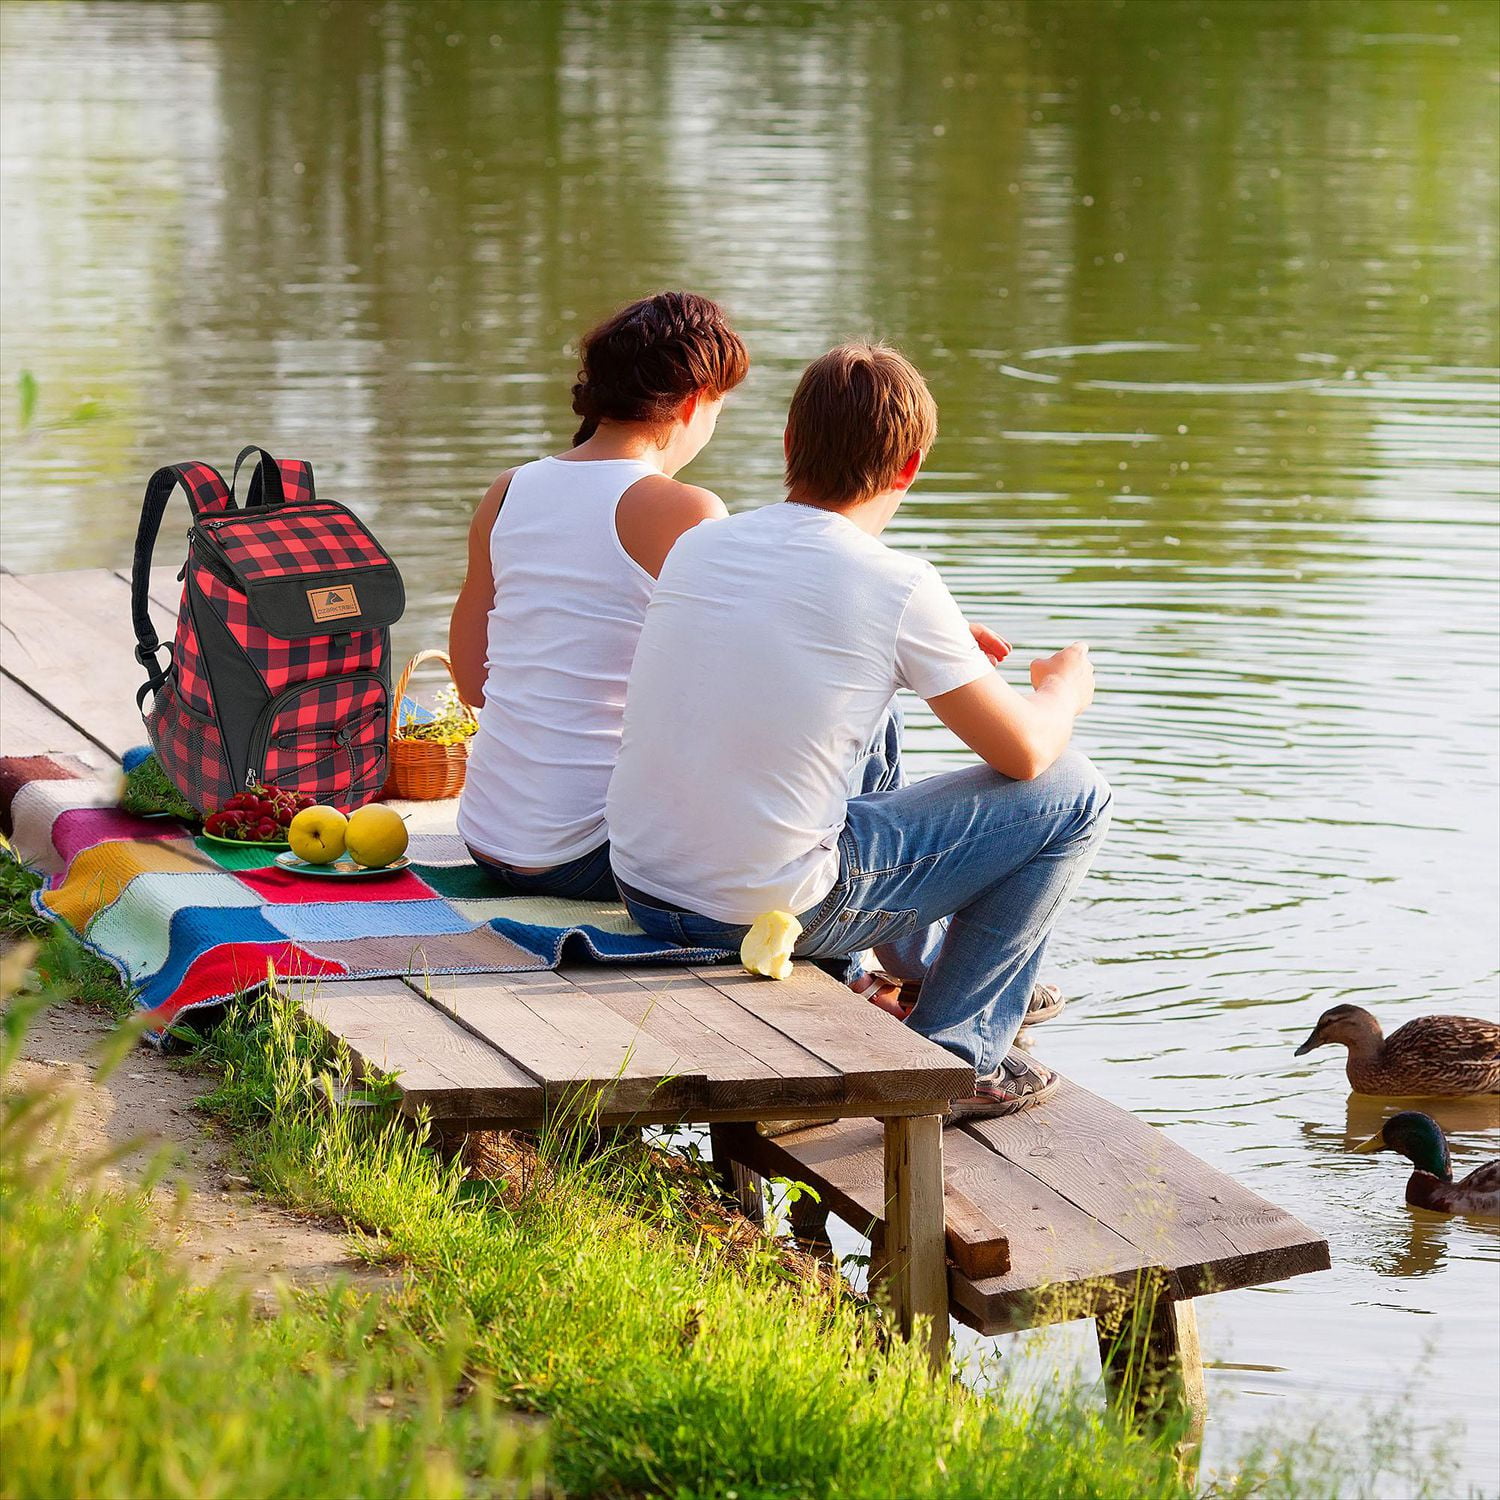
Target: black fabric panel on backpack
<point>239,694</point>
<point>328,603</point>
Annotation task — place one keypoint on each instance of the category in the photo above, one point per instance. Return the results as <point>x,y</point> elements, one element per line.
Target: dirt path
<point>206,1204</point>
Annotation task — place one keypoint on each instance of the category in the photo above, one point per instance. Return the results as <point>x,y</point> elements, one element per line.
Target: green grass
<point>119,1378</point>
<point>597,1293</point>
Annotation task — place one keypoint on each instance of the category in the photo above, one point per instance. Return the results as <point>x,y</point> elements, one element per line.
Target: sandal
<point>1018,1083</point>
<point>898,997</point>
<point>1046,1002</point>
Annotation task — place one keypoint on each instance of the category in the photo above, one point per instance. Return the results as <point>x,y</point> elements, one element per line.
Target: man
<point>761,686</point>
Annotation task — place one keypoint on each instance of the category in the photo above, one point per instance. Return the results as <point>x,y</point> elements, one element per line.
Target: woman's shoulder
<point>655,511</point>
<point>669,497</point>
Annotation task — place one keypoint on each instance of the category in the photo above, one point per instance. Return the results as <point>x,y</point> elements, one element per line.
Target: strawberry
<point>267,828</point>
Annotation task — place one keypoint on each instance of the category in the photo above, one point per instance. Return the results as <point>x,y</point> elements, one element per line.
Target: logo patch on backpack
<point>333,604</point>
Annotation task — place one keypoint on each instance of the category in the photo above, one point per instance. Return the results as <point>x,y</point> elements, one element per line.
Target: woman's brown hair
<point>640,363</point>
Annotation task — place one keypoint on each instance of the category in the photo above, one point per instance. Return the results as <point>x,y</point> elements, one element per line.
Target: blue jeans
<point>587,878</point>
<point>956,881</point>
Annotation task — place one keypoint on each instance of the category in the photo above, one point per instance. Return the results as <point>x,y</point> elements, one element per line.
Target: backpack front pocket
<point>325,739</point>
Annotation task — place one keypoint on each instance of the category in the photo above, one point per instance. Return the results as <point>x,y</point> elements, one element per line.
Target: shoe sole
<point>1044,1012</point>
<point>984,1107</point>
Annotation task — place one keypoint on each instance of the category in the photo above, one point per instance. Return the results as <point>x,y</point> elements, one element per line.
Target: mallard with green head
<point>1420,1139</point>
<point>1433,1055</point>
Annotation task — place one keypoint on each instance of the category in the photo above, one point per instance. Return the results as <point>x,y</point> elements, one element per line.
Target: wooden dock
<point>1059,1212</point>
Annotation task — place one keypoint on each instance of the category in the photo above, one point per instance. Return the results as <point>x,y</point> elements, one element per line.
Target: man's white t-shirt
<point>772,647</point>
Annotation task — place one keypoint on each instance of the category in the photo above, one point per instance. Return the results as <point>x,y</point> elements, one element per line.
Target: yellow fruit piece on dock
<point>768,945</point>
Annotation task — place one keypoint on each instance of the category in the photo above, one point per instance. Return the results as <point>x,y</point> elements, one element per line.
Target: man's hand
<point>1068,672</point>
<point>996,647</point>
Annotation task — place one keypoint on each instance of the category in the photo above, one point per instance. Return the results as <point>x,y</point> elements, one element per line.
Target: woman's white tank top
<point>569,602</point>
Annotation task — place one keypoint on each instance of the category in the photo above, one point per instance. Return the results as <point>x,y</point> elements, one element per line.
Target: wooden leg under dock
<point>913,1263</point>
<point>1155,1366</point>
<point>741,1184</point>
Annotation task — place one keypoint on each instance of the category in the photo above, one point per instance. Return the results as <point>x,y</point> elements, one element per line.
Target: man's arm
<point>1018,734</point>
<point>469,628</point>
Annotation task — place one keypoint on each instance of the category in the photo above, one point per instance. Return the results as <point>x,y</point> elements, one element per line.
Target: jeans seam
<point>966,839</point>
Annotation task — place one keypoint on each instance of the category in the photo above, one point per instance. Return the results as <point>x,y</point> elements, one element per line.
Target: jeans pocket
<point>854,929</point>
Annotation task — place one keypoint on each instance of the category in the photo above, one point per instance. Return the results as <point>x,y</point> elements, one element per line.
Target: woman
<point>563,555</point>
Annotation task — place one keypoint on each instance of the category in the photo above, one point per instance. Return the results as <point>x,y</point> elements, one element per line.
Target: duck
<point>1420,1139</point>
<point>1433,1055</point>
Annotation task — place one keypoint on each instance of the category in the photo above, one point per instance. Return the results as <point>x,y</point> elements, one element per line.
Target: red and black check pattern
<point>296,480</point>
<point>206,492</point>
<point>187,660</point>
<point>314,539</point>
<point>190,751</point>
<point>281,662</point>
<point>330,742</point>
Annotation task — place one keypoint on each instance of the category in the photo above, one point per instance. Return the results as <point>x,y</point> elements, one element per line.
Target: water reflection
<point>1206,293</point>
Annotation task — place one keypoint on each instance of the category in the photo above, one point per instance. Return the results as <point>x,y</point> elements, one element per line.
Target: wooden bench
<point>635,1045</point>
<point>1076,1209</point>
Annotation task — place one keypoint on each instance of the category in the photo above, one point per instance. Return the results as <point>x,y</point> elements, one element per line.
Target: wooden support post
<point>913,1264</point>
<point>741,1184</point>
<point>1155,1366</point>
<point>809,1218</point>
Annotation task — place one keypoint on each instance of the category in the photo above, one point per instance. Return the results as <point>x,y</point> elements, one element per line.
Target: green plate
<point>215,838</point>
<point>343,868</point>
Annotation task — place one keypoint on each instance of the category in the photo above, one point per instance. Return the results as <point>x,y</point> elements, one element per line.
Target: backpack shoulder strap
<point>206,493</point>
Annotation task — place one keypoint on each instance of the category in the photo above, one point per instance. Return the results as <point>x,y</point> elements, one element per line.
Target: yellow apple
<point>768,945</point>
<point>316,834</point>
<point>376,836</point>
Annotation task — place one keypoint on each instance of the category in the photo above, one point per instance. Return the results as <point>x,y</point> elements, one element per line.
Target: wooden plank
<point>879,1057</point>
<point>565,1039</point>
<point>745,1062</point>
<point>912,1262</point>
<point>439,1064</point>
<point>67,637</point>
<point>29,727</point>
<point>1207,1231</point>
<point>976,1244</point>
<point>1064,1262</point>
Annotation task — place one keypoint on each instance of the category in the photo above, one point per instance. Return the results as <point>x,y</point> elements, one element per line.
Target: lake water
<point>1207,296</point>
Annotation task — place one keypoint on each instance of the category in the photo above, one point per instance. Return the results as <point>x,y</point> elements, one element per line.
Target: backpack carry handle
<point>272,482</point>
<point>206,494</point>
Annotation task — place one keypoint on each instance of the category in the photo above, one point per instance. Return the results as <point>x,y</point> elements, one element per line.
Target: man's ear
<point>907,476</point>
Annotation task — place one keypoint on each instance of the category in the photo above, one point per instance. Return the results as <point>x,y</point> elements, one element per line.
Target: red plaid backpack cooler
<point>279,674</point>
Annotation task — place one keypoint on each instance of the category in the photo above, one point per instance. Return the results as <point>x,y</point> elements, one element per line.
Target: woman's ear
<point>689,407</point>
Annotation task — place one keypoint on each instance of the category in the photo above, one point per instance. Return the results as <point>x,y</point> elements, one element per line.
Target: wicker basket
<point>422,769</point>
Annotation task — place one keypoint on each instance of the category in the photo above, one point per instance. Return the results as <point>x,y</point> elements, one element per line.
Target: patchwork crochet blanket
<point>188,922</point>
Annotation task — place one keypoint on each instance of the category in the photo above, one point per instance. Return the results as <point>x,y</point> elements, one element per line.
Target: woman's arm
<point>469,628</point>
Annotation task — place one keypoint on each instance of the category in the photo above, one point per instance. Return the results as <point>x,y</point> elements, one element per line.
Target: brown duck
<point>1432,1055</point>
